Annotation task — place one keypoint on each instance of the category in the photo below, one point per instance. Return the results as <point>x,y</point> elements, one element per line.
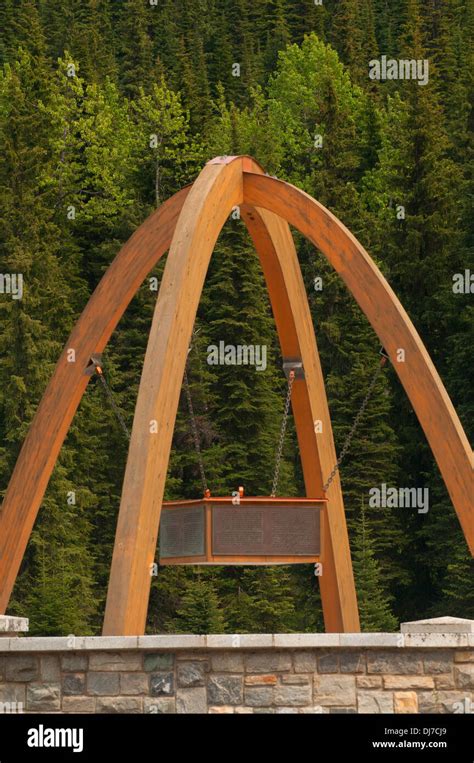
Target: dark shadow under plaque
<point>265,531</point>
<point>182,532</point>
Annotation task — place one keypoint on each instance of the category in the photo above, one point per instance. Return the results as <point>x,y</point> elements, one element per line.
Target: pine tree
<point>420,254</point>
<point>374,606</point>
<point>199,611</point>
<point>57,560</point>
<point>458,587</point>
<point>270,608</point>
<point>136,47</point>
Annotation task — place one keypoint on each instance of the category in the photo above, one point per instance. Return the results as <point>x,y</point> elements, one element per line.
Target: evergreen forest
<point>109,107</point>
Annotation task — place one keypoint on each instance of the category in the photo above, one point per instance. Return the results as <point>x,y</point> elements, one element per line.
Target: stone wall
<point>414,671</point>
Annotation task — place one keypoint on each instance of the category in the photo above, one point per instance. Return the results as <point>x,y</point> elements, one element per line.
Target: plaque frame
<point>211,505</point>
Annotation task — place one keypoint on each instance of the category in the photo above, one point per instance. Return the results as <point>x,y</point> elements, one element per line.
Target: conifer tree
<point>374,604</point>
<point>31,338</point>
<point>199,611</point>
<point>136,47</point>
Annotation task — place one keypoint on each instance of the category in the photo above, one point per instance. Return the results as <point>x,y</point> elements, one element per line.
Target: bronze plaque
<point>182,532</point>
<point>256,530</point>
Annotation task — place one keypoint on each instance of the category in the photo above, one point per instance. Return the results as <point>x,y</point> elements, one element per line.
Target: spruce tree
<point>199,610</point>
<point>374,604</point>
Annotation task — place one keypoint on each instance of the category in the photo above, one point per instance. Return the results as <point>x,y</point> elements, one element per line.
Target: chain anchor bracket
<point>295,365</point>
<point>95,362</point>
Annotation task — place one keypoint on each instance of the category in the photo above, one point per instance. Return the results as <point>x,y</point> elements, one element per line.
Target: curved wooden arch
<point>63,394</point>
<point>234,180</point>
<point>392,325</point>
<point>217,190</point>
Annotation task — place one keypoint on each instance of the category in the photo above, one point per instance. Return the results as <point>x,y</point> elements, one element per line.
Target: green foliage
<point>374,609</point>
<point>199,610</point>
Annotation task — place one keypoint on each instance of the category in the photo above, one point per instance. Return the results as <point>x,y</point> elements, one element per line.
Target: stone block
<point>437,661</point>
<point>159,705</point>
<point>439,625</point>
<point>374,701</point>
<point>292,696</point>
<point>225,710</point>
<point>227,662</point>
<point>263,710</point>
<point>445,681</point>
<point>369,682</point>
<point>305,662</point>
<point>74,662</point>
<point>268,662</point>
<point>405,702</point>
<point>50,668</point>
<point>156,661</point>
<point>261,680</point>
<point>336,690</point>
<point>464,656</point>
<point>397,663</point>
<point>134,683</point>
<point>408,682</point>
<point>173,642</point>
<point>161,684</point>
<point>107,643</point>
<point>295,680</point>
<point>13,694</point>
<point>306,640</point>
<point>371,640</point>
<point>240,641</point>
<point>441,701</point>
<point>352,662</point>
<point>437,640</point>
<point>245,710</point>
<point>191,701</point>
<point>191,673</point>
<point>464,676</point>
<point>38,644</point>
<point>225,689</point>
<point>286,710</point>
<point>191,656</point>
<point>328,663</point>
<point>13,625</point>
<point>21,668</point>
<point>342,710</point>
<point>103,683</point>
<point>115,661</point>
<point>114,705</point>
<point>74,683</point>
<point>78,705</point>
<point>43,698</point>
<point>258,696</point>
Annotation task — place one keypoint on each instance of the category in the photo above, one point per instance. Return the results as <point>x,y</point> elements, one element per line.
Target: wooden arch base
<point>191,221</point>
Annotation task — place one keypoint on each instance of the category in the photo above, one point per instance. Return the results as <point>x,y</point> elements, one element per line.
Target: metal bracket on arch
<point>293,364</point>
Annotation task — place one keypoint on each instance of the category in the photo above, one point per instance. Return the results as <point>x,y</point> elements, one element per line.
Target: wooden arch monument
<point>188,224</point>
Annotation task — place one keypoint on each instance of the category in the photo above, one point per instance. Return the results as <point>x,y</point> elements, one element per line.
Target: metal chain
<point>195,431</point>
<point>276,476</point>
<point>348,440</point>
<point>113,403</point>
